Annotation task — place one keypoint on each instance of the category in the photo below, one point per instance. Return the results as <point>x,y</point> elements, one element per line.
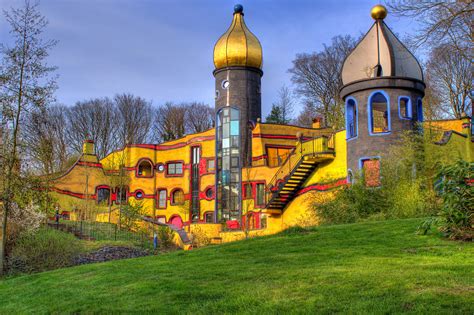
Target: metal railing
<point>313,147</point>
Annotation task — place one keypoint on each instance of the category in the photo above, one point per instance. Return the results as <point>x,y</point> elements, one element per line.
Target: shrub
<point>199,237</point>
<point>41,250</point>
<point>456,218</point>
<point>165,236</point>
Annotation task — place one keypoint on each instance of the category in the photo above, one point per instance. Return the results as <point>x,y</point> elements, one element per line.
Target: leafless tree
<point>45,139</point>
<point>96,120</point>
<point>442,22</point>
<point>199,117</point>
<point>307,114</point>
<point>170,122</point>
<point>134,120</point>
<point>25,84</point>
<point>317,78</point>
<point>451,76</point>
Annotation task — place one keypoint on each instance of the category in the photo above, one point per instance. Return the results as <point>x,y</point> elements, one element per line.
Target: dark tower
<point>238,62</point>
<point>383,91</point>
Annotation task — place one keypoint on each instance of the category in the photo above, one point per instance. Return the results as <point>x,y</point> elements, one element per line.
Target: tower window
<point>177,197</point>
<point>379,113</point>
<point>225,84</point>
<point>419,110</point>
<point>145,169</point>
<point>404,107</point>
<point>351,118</point>
<point>371,171</point>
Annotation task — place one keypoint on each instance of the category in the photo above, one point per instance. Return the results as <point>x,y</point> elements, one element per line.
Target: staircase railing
<point>313,147</point>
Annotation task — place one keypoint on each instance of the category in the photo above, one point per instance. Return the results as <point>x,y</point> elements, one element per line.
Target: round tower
<point>382,89</point>
<point>238,63</point>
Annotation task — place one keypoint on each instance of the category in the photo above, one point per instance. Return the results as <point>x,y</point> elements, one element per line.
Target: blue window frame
<point>352,119</point>
<point>419,110</point>
<point>379,113</point>
<point>404,107</point>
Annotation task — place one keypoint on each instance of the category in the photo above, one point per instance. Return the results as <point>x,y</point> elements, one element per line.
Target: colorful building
<point>245,175</point>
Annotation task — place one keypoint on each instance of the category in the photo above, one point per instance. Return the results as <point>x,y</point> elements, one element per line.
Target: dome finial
<point>238,8</point>
<point>378,12</point>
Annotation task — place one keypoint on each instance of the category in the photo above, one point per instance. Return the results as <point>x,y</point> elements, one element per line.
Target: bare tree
<point>26,84</point>
<point>317,78</point>
<point>134,120</point>
<point>199,117</point>
<point>45,139</point>
<point>96,120</point>
<point>451,76</point>
<point>442,22</point>
<point>282,109</point>
<point>307,114</point>
<point>170,122</point>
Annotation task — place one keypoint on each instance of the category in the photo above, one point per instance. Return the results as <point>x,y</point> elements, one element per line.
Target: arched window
<point>351,118</point>
<point>419,110</point>
<point>103,195</point>
<point>379,113</point>
<point>404,107</point>
<point>144,168</point>
<point>177,197</point>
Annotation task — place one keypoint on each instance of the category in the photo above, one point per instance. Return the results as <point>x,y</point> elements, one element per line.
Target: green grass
<point>371,267</point>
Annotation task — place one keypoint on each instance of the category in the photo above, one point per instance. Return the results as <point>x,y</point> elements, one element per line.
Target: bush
<point>41,250</point>
<point>456,218</point>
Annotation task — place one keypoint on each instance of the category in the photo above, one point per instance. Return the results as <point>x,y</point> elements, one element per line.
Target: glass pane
<point>379,113</point>
<point>234,114</point>
<point>234,128</point>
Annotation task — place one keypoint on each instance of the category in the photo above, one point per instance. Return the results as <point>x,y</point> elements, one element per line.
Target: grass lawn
<point>374,267</point>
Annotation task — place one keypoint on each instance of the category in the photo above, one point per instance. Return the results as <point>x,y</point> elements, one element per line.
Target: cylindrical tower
<point>238,63</point>
<point>383,91</point>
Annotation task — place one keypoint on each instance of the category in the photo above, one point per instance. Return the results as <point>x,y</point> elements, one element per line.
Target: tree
<point>282,109</point>
<point>170,122</point>
<point>26,84</point>
<point>97,120</point>
<point>306,116</point>
<point>451,77</point>
<point>317,78</point>
<point>199,117</point>
<point>134,119</point>
<point>442,22</point>
<point>45,139</point>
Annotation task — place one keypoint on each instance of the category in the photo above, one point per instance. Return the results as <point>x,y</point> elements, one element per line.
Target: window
<point>121,194</point>
<point>209,217</point>
<point>351,118</point>
<point>160,167</point>
<point>419,110</point>
<point>247,191</point>
<point>145,169</point>
<point>210,193</point>
<point>175,168</point>
<point>161,194</point>
<point>225,84</point>
<point>404,107</point>
<point>350,177</point>
<point>211,166</point>
<point>277,155</point>
<point>263,221</point>
<point>139,194</point>
<point>371,171</point>
<point>177,197</point>
<point>103,196</point>
<point>260,198</point>
<point>379,114</point>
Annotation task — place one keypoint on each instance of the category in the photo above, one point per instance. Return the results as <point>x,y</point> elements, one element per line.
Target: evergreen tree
<point>275,116</point>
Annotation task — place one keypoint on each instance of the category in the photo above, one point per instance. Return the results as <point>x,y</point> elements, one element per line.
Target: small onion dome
<point>238,46</point>
<point>380,54</point>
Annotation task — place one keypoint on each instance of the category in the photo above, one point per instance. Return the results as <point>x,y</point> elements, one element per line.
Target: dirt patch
<point>108,253</point>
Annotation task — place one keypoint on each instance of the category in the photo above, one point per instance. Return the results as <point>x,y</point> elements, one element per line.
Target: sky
<point>162,50</point>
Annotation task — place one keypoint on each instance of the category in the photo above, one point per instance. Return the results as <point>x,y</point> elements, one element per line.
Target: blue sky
<point>162,49</point>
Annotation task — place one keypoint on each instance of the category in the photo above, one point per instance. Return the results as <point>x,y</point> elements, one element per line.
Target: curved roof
<point>238,46</point>
<point>380,54</point>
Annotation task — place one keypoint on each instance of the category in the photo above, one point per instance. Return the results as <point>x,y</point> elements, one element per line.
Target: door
<point>195,160</point>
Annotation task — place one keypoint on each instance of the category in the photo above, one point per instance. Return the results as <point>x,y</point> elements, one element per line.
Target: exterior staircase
<point>296,169</point>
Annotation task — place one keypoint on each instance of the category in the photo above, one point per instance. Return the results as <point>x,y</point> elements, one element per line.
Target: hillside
<point>367,267</point>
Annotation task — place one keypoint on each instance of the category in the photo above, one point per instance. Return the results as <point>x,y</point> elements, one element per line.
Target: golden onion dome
<point>378,12</point>
<point>238,46</point>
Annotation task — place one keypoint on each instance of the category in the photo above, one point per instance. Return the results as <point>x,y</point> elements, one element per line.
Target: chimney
<point>88,147</point>
<point>317,122</point>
